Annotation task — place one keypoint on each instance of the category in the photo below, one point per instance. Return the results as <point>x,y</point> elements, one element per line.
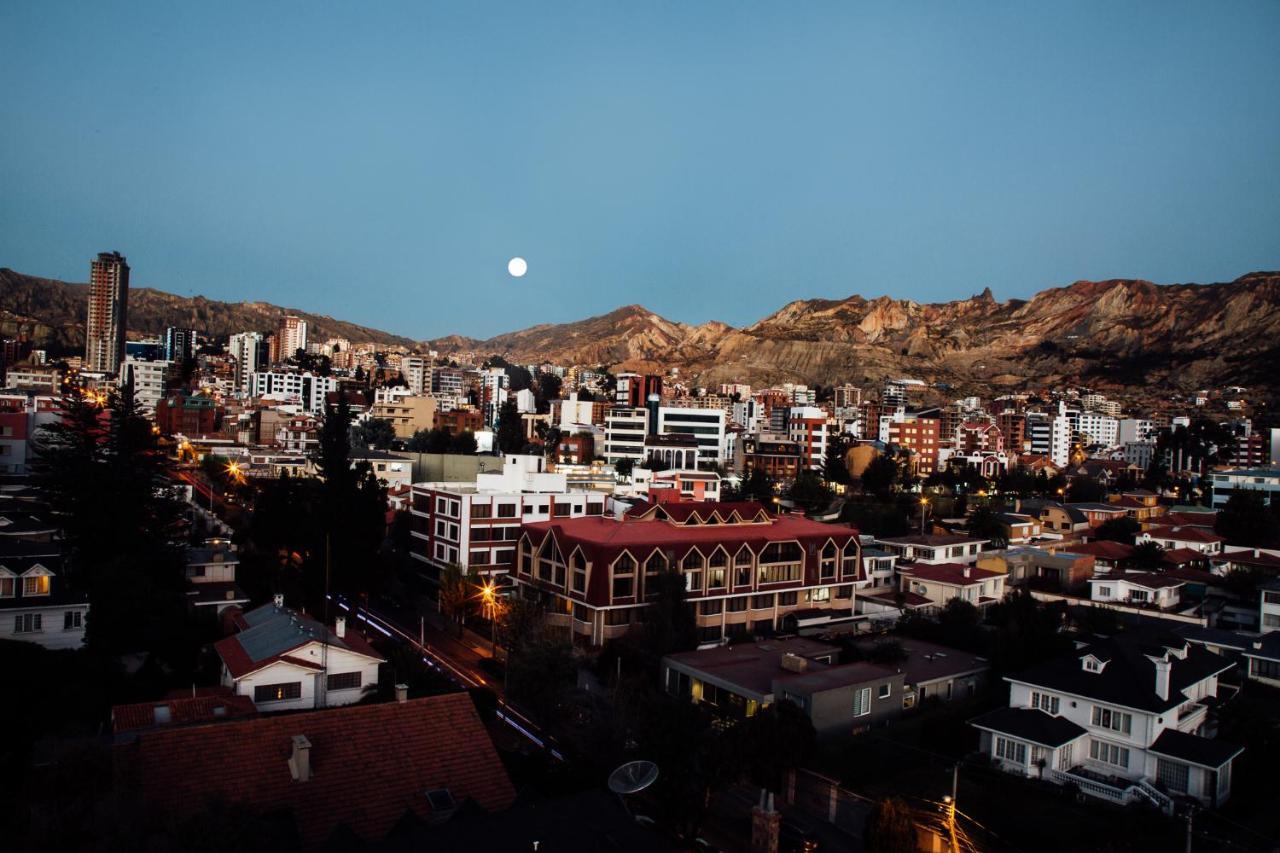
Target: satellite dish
<point>633,777</point>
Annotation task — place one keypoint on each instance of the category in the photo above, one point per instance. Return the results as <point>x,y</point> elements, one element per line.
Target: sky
<point>381,162</point>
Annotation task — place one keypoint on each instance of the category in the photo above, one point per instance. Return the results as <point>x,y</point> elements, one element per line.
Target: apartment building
<point>305,389</point>
<point>807,427</point>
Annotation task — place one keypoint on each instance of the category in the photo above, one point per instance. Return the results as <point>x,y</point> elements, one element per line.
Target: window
<point>1172,774</point>
<point>6,587</point>
<point>862,702</point>
<point>579,572</point>
<point>1104,592</point>
<point>277,692</point>
<point>827,562</point>
<point>742,567</point>
<point>343,681</point>
<point>780,573</point>
<point>506,510</point>
<point>620,616</point>
<point>72,619</point>
<point>1117,721</point>
<point>595,509</point>
<point>1109,753</point>
<point>788,599</point>
<point>761,602</point>
<point>38,585</point>
<point>716,564</point>
<point>1064,757</point>
<point>624,581</point>
<point>885,691</point>
<point>1138,595</point>
<point>850,560</point>
<point>1011,750</point>
<point>712,608</point>
<point>27,623</point>
<point>1045,702</point>
<point>737,605</point>
<point>1260,668</point>
<point>691,565</point>
<point>482,511</point>
<point>564,510</point>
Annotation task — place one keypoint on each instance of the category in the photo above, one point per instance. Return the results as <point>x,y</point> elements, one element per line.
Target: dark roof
<point>1183,533</point>
<point>953,574</point>
<point>1128,678</point>
<point>269,633</point>
<point>1030,724</point>
<point>1195,750</point>
<point>1104,549</point>
<point>1267,646</point>
<point>1146,580</point>
<point>370,763</point>
<point>752,667</point>
<point>929,540</point>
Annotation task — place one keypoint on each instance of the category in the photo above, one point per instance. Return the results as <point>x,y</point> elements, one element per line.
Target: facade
<point>108,316</point>
<point>706,425</point>
<point>1226,483</point>
<point>36,605</point>
<point>290,336</point>
<point>286,661</point>
<point>1120,719</point>
<point>305,389</point>
<point>149,380</point>
<point>1171,538</point>
<point>476,526</point>
<point>416,370</point>
<point>744,570</point>
<point>921,436</point>
<point>1142,589</point>
<point>179,344</point>
<point>942,582</point>
<point>807,427</point>
<point>931,548</point>
<point>408,414</point>
<point>624,434</point>
<point>774,455</point>
<point>211,578</point>
<point>248,350</point>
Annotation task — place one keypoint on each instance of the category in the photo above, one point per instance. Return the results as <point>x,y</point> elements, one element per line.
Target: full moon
<point>517,267</point>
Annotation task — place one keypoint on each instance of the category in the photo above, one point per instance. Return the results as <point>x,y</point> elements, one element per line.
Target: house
<point>1174,537</point>
<point>1120,720</point>
<point>1019,528</point>
<point>391,469</point>
<point>1140,588</point>
<point>737,681</point>
<point>287,661</point>
<point>1262,657</point>
<point>1227,483</point>
<point>1269,606</point>
<point>360,769</point>
<point>36,604</point>
<point>940,583</point>
<point>1106,555</point>
<point>211,578</point>
<point>1235,558</point>
<point>879,567</point>
<point>1061,519</point>
<point>1140,504</point>
<point>933,548</point>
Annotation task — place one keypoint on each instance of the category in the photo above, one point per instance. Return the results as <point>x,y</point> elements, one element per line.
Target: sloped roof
<point>1128,679</point>
<point>181,711</point>
<point>1184,533</point>
<point>1030,724</point>
<point>269,633</point>
<point>1104,549</point>
<point>1195,750</point>
<point>949,573</point>
<point>401,750</point>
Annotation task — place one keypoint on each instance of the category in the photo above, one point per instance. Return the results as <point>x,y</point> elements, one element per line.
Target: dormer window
<point>7,586</point>
<point>38,585</point>
<point>1092,664</point>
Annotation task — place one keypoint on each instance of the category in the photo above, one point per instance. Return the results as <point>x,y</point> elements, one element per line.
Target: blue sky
<point>381,162</point>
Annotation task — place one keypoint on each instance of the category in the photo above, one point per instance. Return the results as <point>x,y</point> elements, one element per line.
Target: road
<point>456,659</point>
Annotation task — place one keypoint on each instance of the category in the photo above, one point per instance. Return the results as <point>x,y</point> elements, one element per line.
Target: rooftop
<point>931,540</point>
<point>268,633</point>
<point>752,667</point>
<point>1030,724</point>
<point>954,574</point>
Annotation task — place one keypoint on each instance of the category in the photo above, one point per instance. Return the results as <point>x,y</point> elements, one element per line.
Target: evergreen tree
<point>834,468</point>
<point>984,525</point>
<point>1245,519</point>
<point>378,433</point>
<point>510,428</point>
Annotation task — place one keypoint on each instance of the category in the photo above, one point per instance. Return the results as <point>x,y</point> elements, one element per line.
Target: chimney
<point>300,761</point>
<point>967,571</point>
<point>765,825</point>
<point>340,627</point>
<point>1163,669</point>
<point>794,663</point>
<point>402,693</point>
<point>278,600</point>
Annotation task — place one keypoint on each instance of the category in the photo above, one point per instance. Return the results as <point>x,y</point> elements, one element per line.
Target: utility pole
<point>951,807</point>
<point>1189,814</point>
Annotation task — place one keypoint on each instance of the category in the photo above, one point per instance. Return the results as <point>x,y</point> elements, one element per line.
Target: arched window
<point>691,566</point>
<point>850,568</point>
<point>827,561</point>
<point>742,566</point>
<point>624,576</point>
<point>717,564</point>
<point>579,564</point>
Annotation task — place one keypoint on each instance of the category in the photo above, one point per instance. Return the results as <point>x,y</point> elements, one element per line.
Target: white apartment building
<point>477,525</point>
<point>1135,429</point>
<point>417,372</point>
<point>149,378</point>
<point>249,352</point>
<point>706,425</point>
<point>1097,428</point>
<point>305,389</point>
<point>624,432</point>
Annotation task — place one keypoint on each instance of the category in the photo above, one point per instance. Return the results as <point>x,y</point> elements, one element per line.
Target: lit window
<point>38,585</point>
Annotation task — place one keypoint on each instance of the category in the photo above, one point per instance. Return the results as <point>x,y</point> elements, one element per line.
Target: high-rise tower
<point>108,313</point>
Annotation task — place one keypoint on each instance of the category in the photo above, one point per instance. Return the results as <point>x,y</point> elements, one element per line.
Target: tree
<point>669,624</point>
<point>540,671</point>
<point>457,593</point>
<point>510,428</point>
<point>834,467</point>
<point>984,524</point>
<point>1245,519</point>
<point>879,476</point>
<point>777,739</point>
<point>624,467</point>
<point>810,492</point>
<point>757,486</point>
<point>1147,555</point>
<point>106,481</point>
<point>374,432</point>
<point>891,828</point>
<point>1085,490</point>
<point>463,442</point>
<point>1121,529</point>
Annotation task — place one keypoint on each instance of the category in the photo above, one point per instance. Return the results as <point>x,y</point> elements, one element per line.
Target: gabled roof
<point>371,764</point>
<point>1030,724</point>
<point>1195,750</point>
<point>1128,679</point>
<point>182,711</point>
<point>1184,534</point>
<point>1146,580</point>
<point>950,573</point>
<point>931,540</point>
<point>268,634</point>
<point>1103,549</point>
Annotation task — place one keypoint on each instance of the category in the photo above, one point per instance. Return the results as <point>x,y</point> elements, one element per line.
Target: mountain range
<point>1106,334</point>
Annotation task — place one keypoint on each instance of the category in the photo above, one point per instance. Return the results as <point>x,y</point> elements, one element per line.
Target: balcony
<point>1192,715</point>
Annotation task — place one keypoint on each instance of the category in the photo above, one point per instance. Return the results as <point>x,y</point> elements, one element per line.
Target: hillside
<point>53,312</point>
<point>1121,332</point>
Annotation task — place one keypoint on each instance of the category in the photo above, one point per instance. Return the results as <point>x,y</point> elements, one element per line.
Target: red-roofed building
<point>363,768</point>
<point>1106,554</point>
<point>745,569</point>
<point>1193,538</point>
<point>205,707</point>
<point>941,582</point>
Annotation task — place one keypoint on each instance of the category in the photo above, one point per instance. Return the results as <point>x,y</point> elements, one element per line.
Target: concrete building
<point>248,351</point>
<point>108,316</point>
<point>290,336</point>
<point>307,390</point>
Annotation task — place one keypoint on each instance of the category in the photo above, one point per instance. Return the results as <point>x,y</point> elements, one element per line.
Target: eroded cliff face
<point>1106,333</point>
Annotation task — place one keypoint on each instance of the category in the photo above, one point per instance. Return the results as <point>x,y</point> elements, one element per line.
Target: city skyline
<point>927,155</point>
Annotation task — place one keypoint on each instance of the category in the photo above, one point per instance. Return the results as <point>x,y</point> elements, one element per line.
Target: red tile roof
<point>184,710</point>
<point>370,764</point>
<point>949,573</point>
<point>1184,534</point>
<point>1178,556</point>
<point>1103,549</point>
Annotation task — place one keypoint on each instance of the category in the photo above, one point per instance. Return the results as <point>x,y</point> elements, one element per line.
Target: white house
<point>36,606</point>
<point>931,548</point>
<point>1170,538</point>
<point>942,582</point>
<point>1141,588</point>
<point>1120,719</point>
<point>286,661</point>
<point>211,577</point>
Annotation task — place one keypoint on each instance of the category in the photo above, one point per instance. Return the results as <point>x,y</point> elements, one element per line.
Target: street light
<point>488,593</point>
<point>924,503</point>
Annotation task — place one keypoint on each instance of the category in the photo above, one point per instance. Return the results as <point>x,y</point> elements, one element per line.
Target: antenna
<point>633,777</point>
